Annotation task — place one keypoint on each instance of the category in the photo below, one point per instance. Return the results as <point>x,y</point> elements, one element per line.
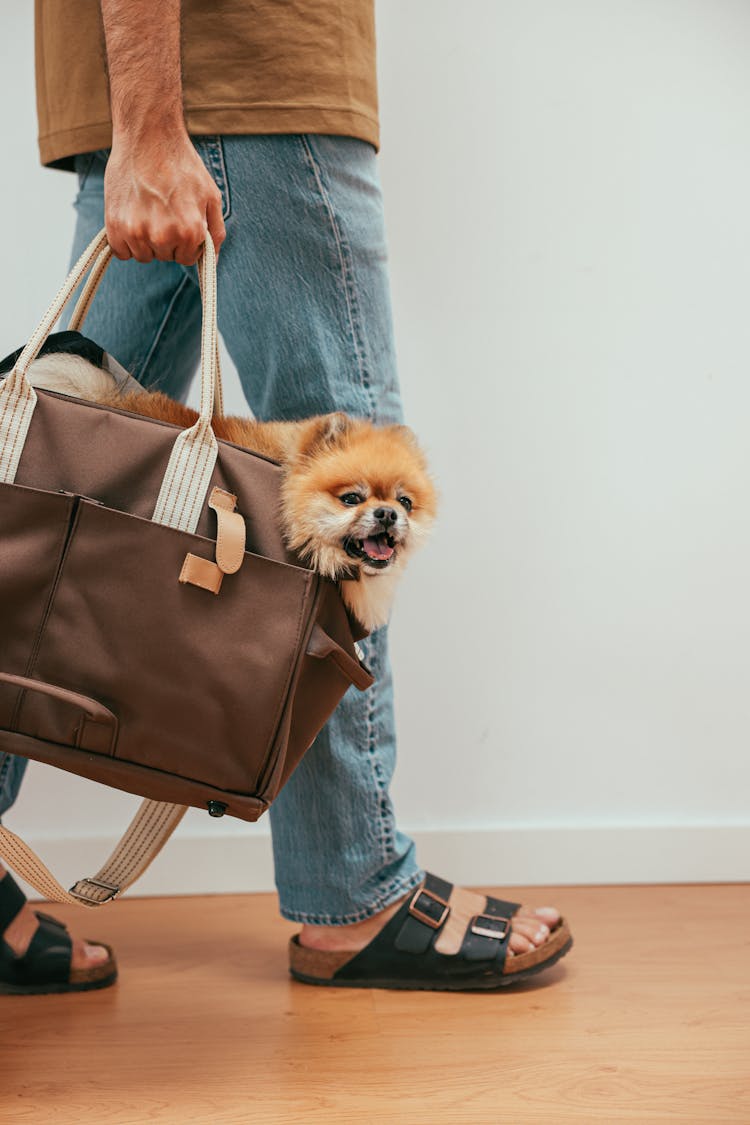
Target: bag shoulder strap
<point>146,835</point>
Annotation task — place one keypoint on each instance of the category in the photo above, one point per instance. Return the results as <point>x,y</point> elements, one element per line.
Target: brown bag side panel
<point>320,688</point>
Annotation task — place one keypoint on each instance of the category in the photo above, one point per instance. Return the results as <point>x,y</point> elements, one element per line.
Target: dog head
<point>358,499</point>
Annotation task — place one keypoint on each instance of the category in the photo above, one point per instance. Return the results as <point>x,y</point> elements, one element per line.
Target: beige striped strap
<point>84,304</point>
<point>183,490</point>
<point>219,388</point>
<point>17,397</point>
<point>149,831</point>
<point>52,315</point>
<point>17,401</point>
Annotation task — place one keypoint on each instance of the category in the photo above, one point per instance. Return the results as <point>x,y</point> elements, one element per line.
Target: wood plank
<point>641,1023</point>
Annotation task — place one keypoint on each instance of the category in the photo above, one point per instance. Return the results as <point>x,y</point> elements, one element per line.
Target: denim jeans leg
<point>12,769</point>
<point>304,311</point>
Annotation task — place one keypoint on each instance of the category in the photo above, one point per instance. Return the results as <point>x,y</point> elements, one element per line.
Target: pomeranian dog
<point>356,499</point>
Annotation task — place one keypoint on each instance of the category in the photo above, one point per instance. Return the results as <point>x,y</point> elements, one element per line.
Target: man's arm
<point>159,200</point>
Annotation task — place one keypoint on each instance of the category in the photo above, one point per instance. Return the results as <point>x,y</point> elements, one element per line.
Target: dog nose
<point>387,516</point>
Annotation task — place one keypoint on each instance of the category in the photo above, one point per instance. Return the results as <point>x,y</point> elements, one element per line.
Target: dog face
<point>357,500</point>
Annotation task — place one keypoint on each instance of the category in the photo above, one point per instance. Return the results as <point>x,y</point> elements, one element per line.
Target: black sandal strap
<point>488,934</point>
<point>499,908</point>
<point>46,961</point>
<point>427,913</point>
<point>12,901</point>
<point>53,921</point>
<point>487,937</point>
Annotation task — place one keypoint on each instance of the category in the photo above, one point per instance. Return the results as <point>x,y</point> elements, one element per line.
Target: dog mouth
<point>377,550</point>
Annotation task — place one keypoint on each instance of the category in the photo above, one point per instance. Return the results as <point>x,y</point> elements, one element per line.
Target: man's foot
<point>38,955</point>
<point>530,926</point>
<point>19,933</point>
<point>438,937</point>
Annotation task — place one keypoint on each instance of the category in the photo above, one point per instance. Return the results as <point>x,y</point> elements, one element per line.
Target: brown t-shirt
<point>249,66</point>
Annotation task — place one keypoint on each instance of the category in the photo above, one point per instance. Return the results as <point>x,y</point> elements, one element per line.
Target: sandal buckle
<point>424,915</point>
<point>490,926</point>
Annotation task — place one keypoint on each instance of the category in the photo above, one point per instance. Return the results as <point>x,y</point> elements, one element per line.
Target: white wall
<point>567,193</point>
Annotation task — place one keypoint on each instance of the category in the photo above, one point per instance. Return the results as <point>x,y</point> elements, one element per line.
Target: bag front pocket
<point>198,682</point>
<point>34,527</point>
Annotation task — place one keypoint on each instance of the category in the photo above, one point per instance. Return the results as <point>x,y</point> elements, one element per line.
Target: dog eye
<point>351,498</point>
<point>406,502</point>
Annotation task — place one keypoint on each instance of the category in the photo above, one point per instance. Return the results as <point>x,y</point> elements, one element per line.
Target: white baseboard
<point>235,862</point>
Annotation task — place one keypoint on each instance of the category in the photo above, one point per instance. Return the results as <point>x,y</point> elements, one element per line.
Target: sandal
<point>45,966</point>
<point>405,953</point>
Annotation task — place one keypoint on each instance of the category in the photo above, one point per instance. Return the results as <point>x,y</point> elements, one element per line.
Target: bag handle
<point>186,481</point>
<point>18,398</point>
<point>97,727</point>
<point>83,304</point>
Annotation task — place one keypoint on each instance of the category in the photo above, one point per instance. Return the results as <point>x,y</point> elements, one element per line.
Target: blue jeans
<point>304,312</point>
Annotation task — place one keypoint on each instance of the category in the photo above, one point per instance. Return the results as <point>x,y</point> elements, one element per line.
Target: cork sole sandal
<point>45,967</point>
<point>434,943</point>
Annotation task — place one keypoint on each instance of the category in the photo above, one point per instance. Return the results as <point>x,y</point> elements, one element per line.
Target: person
<point>265,134</point>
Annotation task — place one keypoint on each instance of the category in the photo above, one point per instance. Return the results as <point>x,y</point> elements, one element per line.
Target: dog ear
<point>325,430</point>
<point>406,434</point>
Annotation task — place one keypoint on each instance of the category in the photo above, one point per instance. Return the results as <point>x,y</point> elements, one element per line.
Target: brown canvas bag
<point>155,633</point>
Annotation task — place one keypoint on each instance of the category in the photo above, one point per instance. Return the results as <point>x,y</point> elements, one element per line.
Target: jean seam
<point>84,175</point>
<point>162,325</point>
<point>399,888</point>
<point>345,264</point>
<point>214,148</point>
<point>384,817</point>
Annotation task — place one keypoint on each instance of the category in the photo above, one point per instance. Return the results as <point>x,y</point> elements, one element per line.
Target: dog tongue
<point>377,548</point>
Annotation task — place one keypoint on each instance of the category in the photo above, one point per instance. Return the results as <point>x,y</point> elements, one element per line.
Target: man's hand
<point>159,200</point>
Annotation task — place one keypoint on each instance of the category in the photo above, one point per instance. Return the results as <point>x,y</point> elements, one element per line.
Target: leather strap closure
<point>201,572</point>
<point>427,914</point>
<point>230,546</point>
<point>230,534</point>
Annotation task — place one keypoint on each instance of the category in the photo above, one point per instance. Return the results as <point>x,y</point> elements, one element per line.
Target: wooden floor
<point>647,1020</point>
